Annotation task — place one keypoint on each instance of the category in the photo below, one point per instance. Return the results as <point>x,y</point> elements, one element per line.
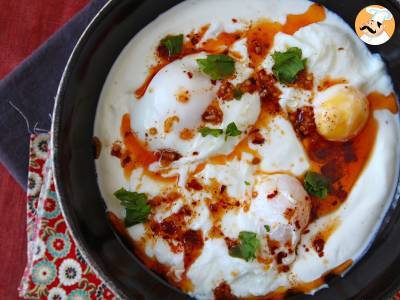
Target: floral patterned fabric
<point>55,268</point>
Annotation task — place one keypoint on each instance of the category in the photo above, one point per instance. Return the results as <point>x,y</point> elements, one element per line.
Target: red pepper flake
<point>225,91</point>
<point>125,161</point>
<point>289,212</point>
<point>213,114</point>
<point>273,245</point>
<point>230,243</point>
<point>223,292</point>
<point>318,245</point>
<point>116,149</point>
<point>166,157</point>
<point>273,194</point>
<point>194,185</point>
<point>162,51</point>
<point>297,224</point>
<point>249,86</point>
<point>190,75</point>
<point>258,138</point>
<point>223,188</point>
<point>304,122</point>
<point>193,245</point>
<point>280,256</point>
<point>304,81</point>
<point>284,268</point>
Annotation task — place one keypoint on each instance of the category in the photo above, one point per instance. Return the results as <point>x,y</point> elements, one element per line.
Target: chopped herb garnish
<point>316,184</point>
<point>247,183</point>
<point>137,209</point>
<point>215,132</point>
<point>237,93</point>
<point>267,228</point>
<point>247,246</point>
<point>217,66</point>
<point>232,130</point>
<point>288,64</point>
<point>174,44</point>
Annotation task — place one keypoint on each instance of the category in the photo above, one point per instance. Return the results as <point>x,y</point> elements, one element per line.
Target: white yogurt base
<point>359,216</point>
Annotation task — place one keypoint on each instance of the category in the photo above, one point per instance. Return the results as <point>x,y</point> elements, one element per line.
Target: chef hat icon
<point>379,14</point>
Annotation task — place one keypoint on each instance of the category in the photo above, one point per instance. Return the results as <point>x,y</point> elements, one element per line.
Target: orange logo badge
<point>375,25</point>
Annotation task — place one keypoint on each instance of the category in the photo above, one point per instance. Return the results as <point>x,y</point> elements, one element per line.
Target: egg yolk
<point>341,112</point>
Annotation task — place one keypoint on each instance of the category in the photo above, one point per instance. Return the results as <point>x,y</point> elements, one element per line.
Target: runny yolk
<point>345,160</point>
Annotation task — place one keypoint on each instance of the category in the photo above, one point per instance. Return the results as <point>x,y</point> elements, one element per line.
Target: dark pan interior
<point>375,277</point>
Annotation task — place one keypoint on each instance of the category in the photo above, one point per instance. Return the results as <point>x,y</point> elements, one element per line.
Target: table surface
<point>25,25</point>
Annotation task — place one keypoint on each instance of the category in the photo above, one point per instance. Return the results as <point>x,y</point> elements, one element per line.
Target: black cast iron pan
<point>376,276</point>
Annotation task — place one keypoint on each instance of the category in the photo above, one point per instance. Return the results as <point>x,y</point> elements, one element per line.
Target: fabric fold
<point>55,267</point>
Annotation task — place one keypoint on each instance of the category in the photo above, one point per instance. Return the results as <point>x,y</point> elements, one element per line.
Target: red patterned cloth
<point>24,25</point>
<point>55,269</point>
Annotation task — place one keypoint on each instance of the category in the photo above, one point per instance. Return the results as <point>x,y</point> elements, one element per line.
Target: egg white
<point>160,103</point>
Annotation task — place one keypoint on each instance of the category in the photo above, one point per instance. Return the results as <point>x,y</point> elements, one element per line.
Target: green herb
<point>288,64</point>
<point>247,183</point>
<point>267,228</point>
<point>217,66</point>
<point>316,184</point>
<point>232,130</point>
<point>247,247</point>
<point>137,210</point>
<point>174,44</point>
<point>237,94</point>
<point>215,132</point>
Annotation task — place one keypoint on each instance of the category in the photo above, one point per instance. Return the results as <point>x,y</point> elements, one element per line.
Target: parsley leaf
<point>174,44</point>
<point>215,132</point>
<point>288,64</point>
<point>232,130</point>
<point>316,184</point>
<point>267,228</point>
<point>217,66</point>
<point>247,183</point>
<point>137,210</point>
<point>237,94</point>
<point>247,247</point>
